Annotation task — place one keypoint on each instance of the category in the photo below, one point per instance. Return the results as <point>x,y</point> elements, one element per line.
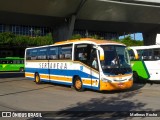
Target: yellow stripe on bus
<point>61,78</point>
<point>29,75</point>
<point>86,81</point>
<point>44,76</point>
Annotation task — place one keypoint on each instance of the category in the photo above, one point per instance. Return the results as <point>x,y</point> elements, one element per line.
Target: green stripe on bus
<point>140,68</point>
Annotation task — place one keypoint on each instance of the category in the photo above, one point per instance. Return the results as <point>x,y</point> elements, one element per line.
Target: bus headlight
<point>131,78</point>
<point>106,80</point>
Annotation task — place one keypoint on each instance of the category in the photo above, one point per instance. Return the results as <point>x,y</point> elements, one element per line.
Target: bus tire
<point>21,69</point>
<point>135,77</point>
<point>37,79</point>
<point>77,84</point>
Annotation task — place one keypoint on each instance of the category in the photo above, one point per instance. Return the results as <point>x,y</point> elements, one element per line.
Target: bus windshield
<point>116,60</point>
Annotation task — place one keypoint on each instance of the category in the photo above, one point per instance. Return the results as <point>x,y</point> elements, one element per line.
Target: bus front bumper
<point>115,86</point>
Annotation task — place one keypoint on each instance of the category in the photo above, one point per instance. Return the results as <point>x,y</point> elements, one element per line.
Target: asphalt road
<point>11,74</point>
<point>21,94</point>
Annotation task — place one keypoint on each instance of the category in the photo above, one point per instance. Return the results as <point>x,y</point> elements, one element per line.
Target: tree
<point>130,42</point>
<point>37,32</point>
<point>8,38</point>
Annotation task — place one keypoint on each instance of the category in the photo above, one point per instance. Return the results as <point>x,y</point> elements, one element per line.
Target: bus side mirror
<point>101,52</point>
<point>136,57</point>
<point>101,56</point>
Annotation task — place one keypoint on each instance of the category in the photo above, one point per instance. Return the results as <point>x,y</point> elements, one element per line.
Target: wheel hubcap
<point>78,84</point>
<point>37,79</point>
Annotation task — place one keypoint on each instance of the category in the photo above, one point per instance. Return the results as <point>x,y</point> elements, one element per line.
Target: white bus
<point>145,61</point>
<point>84,63</point>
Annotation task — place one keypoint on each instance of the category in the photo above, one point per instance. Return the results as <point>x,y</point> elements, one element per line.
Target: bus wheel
<point>37,79</point>
<point>21,69</point>
<point>78,84</point>
<point>135,77</point>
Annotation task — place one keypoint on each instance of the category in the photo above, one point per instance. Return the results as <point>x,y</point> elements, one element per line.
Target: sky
<point>138,36</point>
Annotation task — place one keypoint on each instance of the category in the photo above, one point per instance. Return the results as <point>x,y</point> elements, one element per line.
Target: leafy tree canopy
<point>7,38</point>
<point>130,42</point>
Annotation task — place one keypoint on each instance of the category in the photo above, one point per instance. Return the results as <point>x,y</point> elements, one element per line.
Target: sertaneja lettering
<point>53,65</point>
<point>50,65</point>
<point>57,65</point>
<point>65,65</point>
<point>43,65</point>
<point>40,66</point>
<point>61,65</point>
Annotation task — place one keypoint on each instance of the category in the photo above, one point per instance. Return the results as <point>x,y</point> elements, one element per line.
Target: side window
<point>18,61</point>
<point>145,54</point>
<point>156,54</point>
<point>14,61</point>
<point>10,61</point>
<point>42,54</point>
<point>31,54</point>
<point>28,54</point>
<point>4,62</point>
<point>82,52</point>
<point>65,52</point>
<point>53,53</point>
<point>131,54</point>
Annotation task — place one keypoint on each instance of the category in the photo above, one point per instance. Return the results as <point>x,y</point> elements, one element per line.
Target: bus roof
<point>145,47</point>
<point>83,40</point>
<point>88,40</point>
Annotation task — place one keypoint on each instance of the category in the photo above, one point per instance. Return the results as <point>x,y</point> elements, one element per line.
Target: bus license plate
<point>120,84</point>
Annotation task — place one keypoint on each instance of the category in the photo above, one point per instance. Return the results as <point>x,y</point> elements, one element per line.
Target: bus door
<point>94,69</point>
<point>89,74</point>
